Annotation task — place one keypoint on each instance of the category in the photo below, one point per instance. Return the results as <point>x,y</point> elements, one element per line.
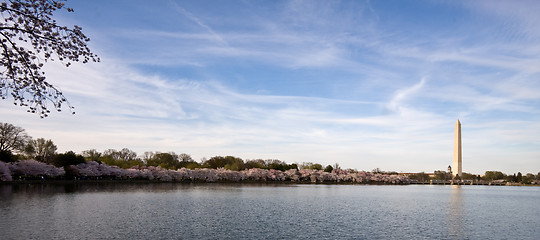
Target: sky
<point>365,84</point>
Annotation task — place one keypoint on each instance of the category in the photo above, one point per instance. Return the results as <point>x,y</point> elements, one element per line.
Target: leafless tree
<point>12,138</point>
<point>41,150</point>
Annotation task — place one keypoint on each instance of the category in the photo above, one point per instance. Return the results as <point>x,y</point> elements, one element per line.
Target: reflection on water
<point>82,187</point>
<point>41,189</point>
<point>254,211</point>
<point>455,213</point>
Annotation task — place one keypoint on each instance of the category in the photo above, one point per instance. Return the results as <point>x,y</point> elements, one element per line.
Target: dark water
<point>217,211</point>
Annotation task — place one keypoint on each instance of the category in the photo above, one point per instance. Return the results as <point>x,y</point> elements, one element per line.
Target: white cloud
<point>402,94</point>
<point>377,109</point>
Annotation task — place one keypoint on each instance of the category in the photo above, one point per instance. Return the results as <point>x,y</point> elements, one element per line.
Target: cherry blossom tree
<point>34,168</point>
<point>29,37</point>
<point>5,173</point>
<point>95,170</point>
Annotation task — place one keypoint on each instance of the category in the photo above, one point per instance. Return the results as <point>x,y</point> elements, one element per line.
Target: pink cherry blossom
<point>35,168</point>
<point>5,173</point>
<point>98,170</point>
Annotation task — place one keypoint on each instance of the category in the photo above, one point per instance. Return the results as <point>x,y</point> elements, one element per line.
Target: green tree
<point>519,177</point>
<point>312,166</point>
<point>185,160</point>
<point>328,168</point>
<point>192,165</point>
<point>258,163</point>
<point>67,158</point>
<point>91,155</point>
<point>293,166</point>
<point>528,178</point>
<point>493,175</point>
<point>441,175</point>
<point>421,177</point>
<point>511,178</point>
<point>164,160</point>
<point>106,159</point>
<point>29,36</point>
<point>278,165</point>
<point>468,176</point>
<point>228,162</point>
<point>124,158</point>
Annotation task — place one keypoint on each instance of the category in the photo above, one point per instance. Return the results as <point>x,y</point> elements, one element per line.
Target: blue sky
<point>366,84</point>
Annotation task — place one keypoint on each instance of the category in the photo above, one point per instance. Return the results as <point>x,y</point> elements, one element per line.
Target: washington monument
<point>457,151</point>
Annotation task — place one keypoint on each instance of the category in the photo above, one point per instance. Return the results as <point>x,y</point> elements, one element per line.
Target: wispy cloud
<point>402,94</point>
<point>199,22</point>
<point>522,18</point>
<point>333,83</point>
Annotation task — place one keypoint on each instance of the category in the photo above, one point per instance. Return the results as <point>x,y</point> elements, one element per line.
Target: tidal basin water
<point>253,211</point>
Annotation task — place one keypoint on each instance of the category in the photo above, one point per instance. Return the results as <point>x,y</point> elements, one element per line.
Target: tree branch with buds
<point>30,37</point>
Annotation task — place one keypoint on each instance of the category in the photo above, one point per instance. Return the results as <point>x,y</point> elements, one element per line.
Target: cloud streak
<point>350,87</point>
<point>198,21</point>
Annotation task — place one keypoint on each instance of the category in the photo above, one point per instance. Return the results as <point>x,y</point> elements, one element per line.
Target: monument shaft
<point>457,150</point>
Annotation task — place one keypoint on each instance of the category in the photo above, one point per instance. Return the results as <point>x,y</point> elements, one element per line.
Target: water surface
<point>282,211</point>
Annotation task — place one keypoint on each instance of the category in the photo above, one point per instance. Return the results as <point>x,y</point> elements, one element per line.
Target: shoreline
<point>254,182</point>
<point>142,181</point>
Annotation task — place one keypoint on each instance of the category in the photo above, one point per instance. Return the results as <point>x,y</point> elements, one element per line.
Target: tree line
<point>488,176</point>
<point>16,144</point>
